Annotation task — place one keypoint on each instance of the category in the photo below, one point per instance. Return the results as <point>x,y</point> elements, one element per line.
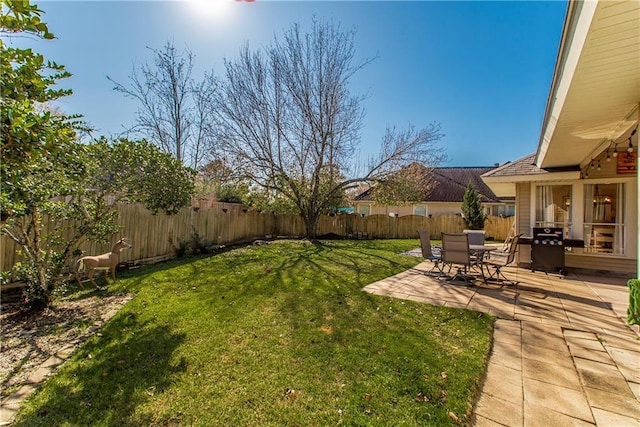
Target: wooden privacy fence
<point>158,236</point>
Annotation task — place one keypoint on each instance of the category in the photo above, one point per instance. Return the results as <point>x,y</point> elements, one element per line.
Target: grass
<point>272,335</point>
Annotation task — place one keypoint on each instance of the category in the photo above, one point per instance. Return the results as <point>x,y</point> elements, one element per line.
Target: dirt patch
<point>28,339</point>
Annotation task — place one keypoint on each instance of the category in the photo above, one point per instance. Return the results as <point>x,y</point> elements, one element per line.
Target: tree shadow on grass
<point>109,378</point>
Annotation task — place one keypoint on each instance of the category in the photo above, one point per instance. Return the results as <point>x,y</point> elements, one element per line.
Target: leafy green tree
<point>216,178</point>
<point>77,190</point>
<point>30,135</point>
<point>47,176</point>
<point>472,211</point>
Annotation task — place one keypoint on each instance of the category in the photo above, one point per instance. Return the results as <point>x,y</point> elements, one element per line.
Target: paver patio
<point>562,352</point>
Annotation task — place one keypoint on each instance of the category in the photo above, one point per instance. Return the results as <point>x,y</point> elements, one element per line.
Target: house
<point>444,197</point>
<point>583,176</point>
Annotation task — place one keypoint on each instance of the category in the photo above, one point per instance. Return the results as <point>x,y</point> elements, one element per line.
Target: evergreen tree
<point>472,211</point>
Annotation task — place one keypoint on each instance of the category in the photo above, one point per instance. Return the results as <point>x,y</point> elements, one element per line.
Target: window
<point>603,218</point>
<point>364,210</point>
<point>420,210</point>
<point>553,207</point>
<point>506,210</point>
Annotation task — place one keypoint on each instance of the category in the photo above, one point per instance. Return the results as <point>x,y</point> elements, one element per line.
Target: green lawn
<point>271,335</point>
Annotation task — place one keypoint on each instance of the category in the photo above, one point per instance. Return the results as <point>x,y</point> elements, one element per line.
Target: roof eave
<point>550,176</point>
<point>577,21</point>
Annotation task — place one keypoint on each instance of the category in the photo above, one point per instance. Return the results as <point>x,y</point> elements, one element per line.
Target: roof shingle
<point>450,184</point>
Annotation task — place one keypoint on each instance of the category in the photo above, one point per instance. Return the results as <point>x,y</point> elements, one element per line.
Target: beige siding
<point>523,219</point>
<point>605,263</point>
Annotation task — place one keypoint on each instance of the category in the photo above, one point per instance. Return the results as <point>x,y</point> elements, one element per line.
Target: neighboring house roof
<point>450,184</point>
<point>525,166</point>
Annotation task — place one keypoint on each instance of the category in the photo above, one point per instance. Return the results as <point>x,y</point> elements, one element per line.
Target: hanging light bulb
<point>592,165</point>
<point>599,167</point>
<point>608,156</point>
<point>615,151</point>
<point>630,149</point>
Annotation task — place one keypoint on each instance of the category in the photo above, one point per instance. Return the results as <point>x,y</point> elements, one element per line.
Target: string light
<point>633,132</point>
<point>628,155</point>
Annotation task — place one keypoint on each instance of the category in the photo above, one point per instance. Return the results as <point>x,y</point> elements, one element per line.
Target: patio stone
<point>480,421</point>
<point>635,388</point>
<point>573,333</point>
<point>630,374</point>
<point>504,383</point>
<point>528,319</point>
<point>542,329</point>
<point>507,349</point>
<point>52,362</point>
<point>558,349</point>
<point>6,415</point>
<point>589,354</point>
<point>597,367</point>
<point>559,356</point>
<point>617,404</point>
<point>543,340</point>
<point>624,343</point>
<point>508,327</point>
<point>499,410</point>
<point>608,383</point>
<point>628,358</point>
<point>39,375</point>
<point>539,416</point>
<point>551,373</point>
<point>591,344</point>
<point>560,399</point>
<point>606,418</point>
<point>14,400</point>
<point>499,310</point>
<point>507,338</point>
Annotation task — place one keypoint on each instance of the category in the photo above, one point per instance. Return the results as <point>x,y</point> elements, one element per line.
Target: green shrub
<point>633,312</point>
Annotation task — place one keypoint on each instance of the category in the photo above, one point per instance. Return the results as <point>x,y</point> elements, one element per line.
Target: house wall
<point>432,208</point>
<point>375,209</point>
<point>577,258</point>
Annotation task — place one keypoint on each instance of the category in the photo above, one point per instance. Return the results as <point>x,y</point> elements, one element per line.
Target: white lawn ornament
<point>106,262</point>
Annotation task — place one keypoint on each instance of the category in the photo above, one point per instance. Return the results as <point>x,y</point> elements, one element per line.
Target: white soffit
<point>597,87</point>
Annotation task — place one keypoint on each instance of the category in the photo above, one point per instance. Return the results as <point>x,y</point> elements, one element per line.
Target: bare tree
<point>174,111</point>
<point>288,120</point>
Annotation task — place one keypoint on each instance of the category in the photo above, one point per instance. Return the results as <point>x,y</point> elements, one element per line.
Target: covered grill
<point>547,250</point>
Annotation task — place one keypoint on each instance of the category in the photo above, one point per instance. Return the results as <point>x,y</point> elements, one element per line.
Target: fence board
<point>155,236</point>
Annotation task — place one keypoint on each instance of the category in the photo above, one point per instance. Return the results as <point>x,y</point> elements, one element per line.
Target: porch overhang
<point>595,92</point>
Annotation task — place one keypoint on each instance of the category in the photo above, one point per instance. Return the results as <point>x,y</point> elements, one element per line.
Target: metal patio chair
<point>497,262</point>
<point>427,253</point>
<point>455,251</point>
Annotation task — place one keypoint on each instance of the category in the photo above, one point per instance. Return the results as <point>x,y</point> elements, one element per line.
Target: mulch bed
<point>27,339</point>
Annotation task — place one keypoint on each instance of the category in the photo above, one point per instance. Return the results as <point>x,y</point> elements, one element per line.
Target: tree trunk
<point>311,225</point>
<point>40,296</point>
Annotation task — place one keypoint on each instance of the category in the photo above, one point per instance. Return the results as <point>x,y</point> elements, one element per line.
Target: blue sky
<point>480,69</point>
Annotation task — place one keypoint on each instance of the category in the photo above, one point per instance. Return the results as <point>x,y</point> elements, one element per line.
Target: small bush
<point>633,312</point>
<point>194,246</point>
